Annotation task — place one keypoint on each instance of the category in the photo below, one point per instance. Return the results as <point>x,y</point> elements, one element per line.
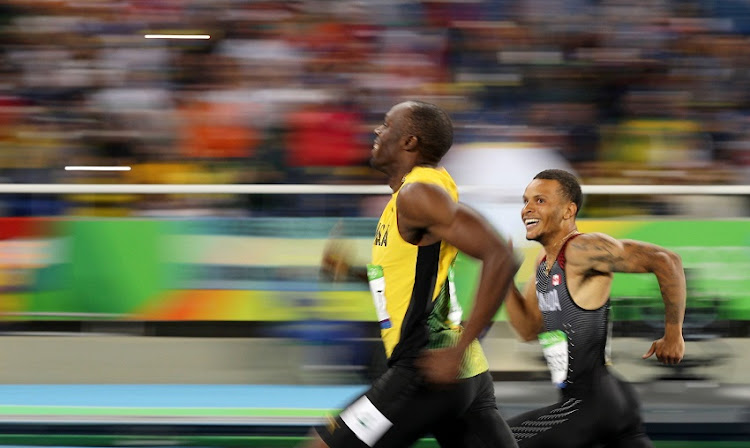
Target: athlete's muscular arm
<point>602,253</point>
<point>426,215</point>
<point>523,309</point>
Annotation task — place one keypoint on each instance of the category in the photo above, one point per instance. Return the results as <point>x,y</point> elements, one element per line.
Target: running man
<point>566,306</point>
<point>417,238</point>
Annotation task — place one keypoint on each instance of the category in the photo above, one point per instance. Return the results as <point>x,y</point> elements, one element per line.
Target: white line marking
<point>177,36</point>
<point>97,168</point>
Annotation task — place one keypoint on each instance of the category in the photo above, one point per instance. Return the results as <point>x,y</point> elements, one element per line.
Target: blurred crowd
<point>628,91</point>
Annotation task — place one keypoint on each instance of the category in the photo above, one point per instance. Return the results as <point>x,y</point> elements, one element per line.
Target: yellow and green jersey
<point>412,287</point>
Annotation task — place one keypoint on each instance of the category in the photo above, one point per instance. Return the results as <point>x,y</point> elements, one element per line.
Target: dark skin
<point>426,215</point>
<point>591,261</point>
<point>429,216</point>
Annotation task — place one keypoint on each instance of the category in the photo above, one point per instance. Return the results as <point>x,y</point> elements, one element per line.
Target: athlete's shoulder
<point>422,200</point>
<point>438,177</point>
<point>591,241</point>
<point>588,249</point>
<point>429,175</point>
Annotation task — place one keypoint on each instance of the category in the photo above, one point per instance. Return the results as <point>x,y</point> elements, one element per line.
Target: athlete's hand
<point>668,350</point>
<point>335,263</point>
<point>337,255</point>
<point>441,366</point>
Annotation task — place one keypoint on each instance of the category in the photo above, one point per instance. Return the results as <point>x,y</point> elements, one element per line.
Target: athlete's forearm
<point>495,278</point>
<point>671,277</point>
<point>520,316</point>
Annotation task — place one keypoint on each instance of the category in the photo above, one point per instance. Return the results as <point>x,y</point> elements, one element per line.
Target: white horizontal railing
<point>347,189</point>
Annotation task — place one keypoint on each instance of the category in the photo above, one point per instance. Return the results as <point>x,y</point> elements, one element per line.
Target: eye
<point>540,201</point>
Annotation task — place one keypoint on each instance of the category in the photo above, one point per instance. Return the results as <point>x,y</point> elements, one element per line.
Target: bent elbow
<point>666,261</point>
<point>526,333</point>
<point>528,337</point>
<point>676,259</point>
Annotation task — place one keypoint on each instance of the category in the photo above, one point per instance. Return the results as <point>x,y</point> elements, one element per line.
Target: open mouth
<point>530,223</point>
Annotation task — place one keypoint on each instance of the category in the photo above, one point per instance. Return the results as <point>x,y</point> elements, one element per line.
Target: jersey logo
<point>555,279</point>
<point>548,301</point>
<point>381,236</point>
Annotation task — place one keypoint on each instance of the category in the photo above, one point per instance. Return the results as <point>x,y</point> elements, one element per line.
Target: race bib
<point>555,347</point>
<point>456,312</point>
<point>377,288</point>
<point>366,421</point>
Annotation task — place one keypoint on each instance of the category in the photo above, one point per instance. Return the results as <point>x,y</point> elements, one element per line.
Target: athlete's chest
<point>550,288</point>
<point>388,246</point>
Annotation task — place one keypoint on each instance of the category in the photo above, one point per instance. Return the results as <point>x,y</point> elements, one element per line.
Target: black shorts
<point>605,415</point>
<point>400,408</point>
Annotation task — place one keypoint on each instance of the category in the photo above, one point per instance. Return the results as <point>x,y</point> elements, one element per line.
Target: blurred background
<point>209,311</point>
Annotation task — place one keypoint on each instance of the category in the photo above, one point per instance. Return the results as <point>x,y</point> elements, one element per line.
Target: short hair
<point>433,128</point>
<point>571,188</point>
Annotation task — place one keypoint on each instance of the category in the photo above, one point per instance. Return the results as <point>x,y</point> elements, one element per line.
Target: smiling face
<point>545,210</point>
<point>390,137</point>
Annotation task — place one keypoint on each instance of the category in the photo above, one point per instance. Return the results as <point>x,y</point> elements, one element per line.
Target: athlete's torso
<point>411,287</point>
<point>574,339</point>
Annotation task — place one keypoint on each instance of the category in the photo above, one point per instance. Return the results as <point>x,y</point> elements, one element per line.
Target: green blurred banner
<point>267,269</point>
<point>714,253</point>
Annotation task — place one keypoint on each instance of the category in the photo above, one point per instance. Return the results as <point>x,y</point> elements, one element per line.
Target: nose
<point>526,208</point>
<point>378,130</point>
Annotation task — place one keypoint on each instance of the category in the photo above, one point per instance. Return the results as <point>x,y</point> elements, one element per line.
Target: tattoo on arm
<point>603,254</point>
<point>600,255</point>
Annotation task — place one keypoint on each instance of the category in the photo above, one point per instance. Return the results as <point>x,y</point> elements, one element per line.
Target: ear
<point>410,143</point>
<point>570,211</point>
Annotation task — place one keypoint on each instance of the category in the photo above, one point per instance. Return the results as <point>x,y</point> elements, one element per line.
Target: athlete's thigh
<point>480,429</point>
<point>566,424</point>
<point>621,407</point>
<point>437,410</point>
<point>481,425</point>
<point>395,412</point>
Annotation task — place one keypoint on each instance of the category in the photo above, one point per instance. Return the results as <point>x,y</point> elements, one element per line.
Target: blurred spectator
<point>324,135</point>
<point>627,91</point>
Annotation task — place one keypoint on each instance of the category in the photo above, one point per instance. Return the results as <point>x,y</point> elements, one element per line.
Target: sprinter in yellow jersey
<point>437,381</point>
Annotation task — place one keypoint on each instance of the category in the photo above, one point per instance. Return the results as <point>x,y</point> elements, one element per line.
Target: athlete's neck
<point>396,180</point>
<point>552,248</point>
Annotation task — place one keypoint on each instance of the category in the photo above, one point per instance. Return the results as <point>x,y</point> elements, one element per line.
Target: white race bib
<point>377,288</point>
<point>456,312</point>
<point>366,421</point>
<point>555,347</point>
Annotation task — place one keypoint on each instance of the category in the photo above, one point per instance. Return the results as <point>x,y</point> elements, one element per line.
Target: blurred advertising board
<point>267,269</point>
